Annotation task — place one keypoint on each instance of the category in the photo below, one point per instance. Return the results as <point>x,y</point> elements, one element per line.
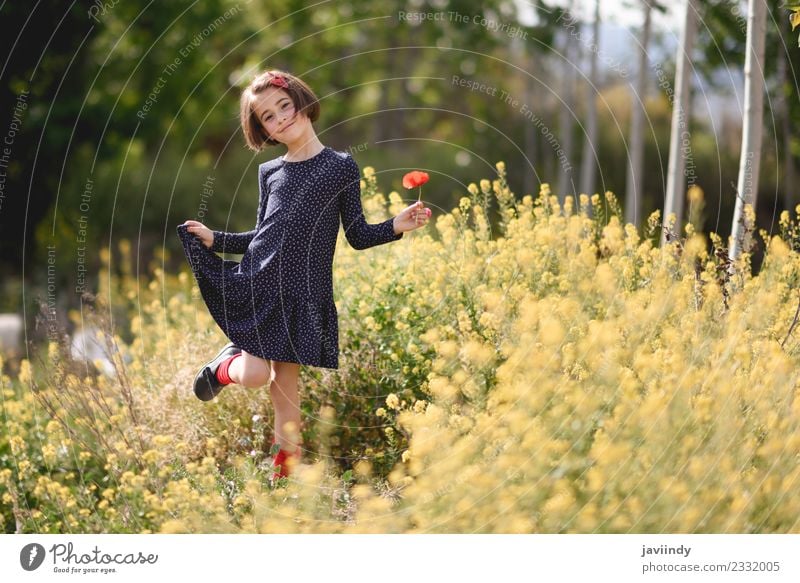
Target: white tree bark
<point>680,137</point>
<point>529,61</point>
<point>566,182</point>
<point>588,163</point>
<point>750,160</point>
<point>782,108</point>
<point>633,189</point>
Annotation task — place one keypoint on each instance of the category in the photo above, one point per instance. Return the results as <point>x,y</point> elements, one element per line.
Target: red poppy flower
<point>414,179</point>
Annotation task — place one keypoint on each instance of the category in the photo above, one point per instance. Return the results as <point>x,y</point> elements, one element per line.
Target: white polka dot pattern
<point>277,302</point>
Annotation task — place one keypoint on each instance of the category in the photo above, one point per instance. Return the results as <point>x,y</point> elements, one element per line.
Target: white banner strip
<point>396,558</point>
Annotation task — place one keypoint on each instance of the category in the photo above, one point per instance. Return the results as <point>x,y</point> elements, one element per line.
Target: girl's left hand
<point>411,218</point>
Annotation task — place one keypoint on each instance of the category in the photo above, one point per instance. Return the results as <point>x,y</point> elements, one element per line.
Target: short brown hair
<point>304,99</point>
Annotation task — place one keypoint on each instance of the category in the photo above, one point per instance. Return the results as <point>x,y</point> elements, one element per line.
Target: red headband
<point>278,80</point>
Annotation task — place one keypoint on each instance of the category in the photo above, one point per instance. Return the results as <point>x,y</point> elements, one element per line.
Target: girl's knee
<point>255,379</point>
<point>286,372</point>
<point>256,372</point>
<point>285,377</point>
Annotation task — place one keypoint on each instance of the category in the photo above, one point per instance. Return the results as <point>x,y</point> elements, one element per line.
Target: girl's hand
<point>412,217</point>
<point>200,231</point>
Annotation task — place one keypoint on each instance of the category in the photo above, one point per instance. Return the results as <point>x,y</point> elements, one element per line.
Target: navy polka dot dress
<point>277,302</point>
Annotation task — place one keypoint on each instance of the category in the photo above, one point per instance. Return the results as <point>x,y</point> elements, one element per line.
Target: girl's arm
<point>239,242</point>
<point>359,233</point>
<point>231,242</point>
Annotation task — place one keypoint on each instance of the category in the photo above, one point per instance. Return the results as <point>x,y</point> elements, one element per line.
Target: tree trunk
<point>782,105</point>
<point>633,188</point>
<point>750,160</point>
<point>679,137</point>
<point>566,182</point>
<point>531,179</point>
<point>588,163</point>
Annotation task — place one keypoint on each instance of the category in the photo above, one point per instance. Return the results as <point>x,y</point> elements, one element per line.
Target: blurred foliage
<point>142,100</point>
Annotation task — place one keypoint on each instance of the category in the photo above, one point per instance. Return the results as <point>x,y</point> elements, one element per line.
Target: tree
<point>750,159</point>
<point>783,91</point>
<point>633,188</point>
<point>588,165</point>
<point>681,114</point>
<point>571,56</point>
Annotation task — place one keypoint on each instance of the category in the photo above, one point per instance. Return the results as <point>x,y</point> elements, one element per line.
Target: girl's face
<point>276,112</point>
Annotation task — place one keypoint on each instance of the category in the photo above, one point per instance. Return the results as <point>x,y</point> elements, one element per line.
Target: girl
<point>276,304</point>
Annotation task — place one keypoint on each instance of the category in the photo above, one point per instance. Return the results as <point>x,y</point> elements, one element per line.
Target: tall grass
<point>546,371</point>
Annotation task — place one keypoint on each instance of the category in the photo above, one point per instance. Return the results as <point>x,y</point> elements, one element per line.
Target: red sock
<point>280,460</point>
<point>222,370</point>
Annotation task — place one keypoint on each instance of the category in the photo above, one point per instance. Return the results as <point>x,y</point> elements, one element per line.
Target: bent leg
<point>250,371</point>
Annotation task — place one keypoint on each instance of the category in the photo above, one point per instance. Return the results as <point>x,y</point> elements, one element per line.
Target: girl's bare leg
<point>250,371</point>
<point>285,399</point>
<point>253,371</point>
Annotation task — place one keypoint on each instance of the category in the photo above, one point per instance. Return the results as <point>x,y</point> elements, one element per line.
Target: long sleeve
<point>359,233</point>
<point>238,242</point>
<point>232,242</point>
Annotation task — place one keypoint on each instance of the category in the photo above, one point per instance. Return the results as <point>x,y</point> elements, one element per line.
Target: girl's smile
<point>290,124</point>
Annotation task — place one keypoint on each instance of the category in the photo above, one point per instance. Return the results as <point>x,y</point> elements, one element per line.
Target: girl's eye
<point>285,105</point>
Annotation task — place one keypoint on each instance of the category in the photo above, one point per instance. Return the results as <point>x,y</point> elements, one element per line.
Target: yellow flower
<point>694,194</point>
<point>25,372</point>
<point>381,412</point>
<point>17,444</point>
<point>392,401</point>
<point>150,456</point>
<point>49,453</point>
<point>24,469</point>
<point>162,440</point>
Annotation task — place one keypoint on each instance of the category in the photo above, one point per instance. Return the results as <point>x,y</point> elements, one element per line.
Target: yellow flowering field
<point>515,367</point>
